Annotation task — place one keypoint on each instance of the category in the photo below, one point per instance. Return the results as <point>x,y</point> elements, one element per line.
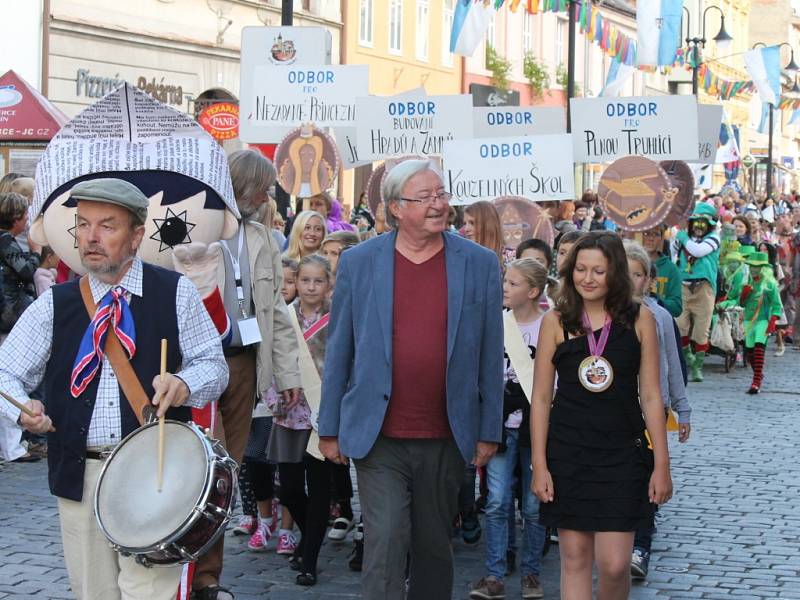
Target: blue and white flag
<point>658,32</point>
<point>618,75</point>
<point>795,116</point>
<point>764,66</point>
<point>470,22</point>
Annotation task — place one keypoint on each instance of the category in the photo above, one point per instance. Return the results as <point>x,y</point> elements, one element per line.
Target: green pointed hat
<point>758,259</point>
<point>705,211</point>
<point>746,250</point>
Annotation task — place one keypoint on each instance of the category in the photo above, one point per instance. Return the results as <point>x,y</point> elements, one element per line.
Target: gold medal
<point>595,374</point>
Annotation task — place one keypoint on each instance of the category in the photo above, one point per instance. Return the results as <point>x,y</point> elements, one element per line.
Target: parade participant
<point>293,424</point>
<point>262,345</point>
<point>435,359</point>
<point>336,243</point>
<point>539,250</point>
<point>761,301</point>
<point>52,342</point>
<point>524,281</point>
<point>667,284</point>
<point>592,469</point>
<point>564,245</point>
<point>697,249</point>
<point>308,231</point>
<point>744,230</point>
<point>673,388</point>
<point>482,226</point>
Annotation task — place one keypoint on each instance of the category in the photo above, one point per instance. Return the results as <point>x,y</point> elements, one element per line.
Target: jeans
<point>500,474</point>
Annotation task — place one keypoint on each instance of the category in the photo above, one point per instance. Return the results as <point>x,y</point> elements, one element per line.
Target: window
<point>559,41</point>
<point>365,23</point>
<point>527,33</point>
<point>422,29</point>
<point>490,41</point>
<point>449,10</point>
<point>396,26</point>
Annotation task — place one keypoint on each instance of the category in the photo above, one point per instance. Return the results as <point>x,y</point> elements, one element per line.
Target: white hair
<point>398,177</point>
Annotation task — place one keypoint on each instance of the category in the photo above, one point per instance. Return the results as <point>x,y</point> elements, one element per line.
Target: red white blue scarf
<point>113,311</point>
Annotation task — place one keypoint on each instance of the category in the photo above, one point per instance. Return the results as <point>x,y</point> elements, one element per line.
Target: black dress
<point>594,445</point>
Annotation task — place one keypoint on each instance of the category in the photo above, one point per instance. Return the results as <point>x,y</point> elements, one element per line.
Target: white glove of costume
<point>199,262</point>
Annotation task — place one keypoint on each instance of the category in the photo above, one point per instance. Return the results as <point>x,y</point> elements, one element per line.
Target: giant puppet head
<point>165,153</point>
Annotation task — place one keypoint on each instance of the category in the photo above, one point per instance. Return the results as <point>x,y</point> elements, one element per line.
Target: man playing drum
<point>56,341</point>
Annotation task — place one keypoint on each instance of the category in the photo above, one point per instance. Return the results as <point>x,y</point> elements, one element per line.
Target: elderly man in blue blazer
<point>413,381</point>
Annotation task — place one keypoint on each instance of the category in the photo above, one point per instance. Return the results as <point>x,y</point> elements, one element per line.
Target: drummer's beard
<point>107,271</point>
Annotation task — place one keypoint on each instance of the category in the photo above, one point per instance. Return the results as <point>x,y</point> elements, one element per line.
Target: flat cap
<point>113,191</point>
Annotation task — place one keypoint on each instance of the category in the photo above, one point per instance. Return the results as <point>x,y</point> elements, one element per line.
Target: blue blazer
<point>357,380</point>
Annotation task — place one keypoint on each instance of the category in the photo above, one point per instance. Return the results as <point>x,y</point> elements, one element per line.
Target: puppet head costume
<point>165,153</point>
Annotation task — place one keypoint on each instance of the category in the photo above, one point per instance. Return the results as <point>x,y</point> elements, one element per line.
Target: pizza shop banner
<point>536,167</point>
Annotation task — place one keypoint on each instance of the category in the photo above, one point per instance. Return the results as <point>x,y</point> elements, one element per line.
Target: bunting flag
<point>764,66</point>
<point>470,22</point>
<point>658,24</point>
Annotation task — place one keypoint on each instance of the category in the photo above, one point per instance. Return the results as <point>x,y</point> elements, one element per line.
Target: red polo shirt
<point>418,405</point>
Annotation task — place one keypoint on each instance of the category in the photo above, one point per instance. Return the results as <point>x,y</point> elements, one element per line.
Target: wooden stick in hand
<point>161,419</point>
<point>22,407</point>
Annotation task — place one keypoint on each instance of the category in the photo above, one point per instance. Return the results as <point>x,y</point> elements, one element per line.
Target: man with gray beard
<point>60,340</point>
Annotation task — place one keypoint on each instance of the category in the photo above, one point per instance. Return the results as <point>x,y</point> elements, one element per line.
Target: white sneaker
<point>780,351</point>
<point>246,526</point>
<point>340,528</point>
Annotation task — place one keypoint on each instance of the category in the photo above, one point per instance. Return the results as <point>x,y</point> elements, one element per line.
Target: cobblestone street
<point>731,530</point>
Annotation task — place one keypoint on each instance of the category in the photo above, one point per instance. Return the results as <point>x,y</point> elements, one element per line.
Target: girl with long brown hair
<point>592,469</point>
<point>482,226</point>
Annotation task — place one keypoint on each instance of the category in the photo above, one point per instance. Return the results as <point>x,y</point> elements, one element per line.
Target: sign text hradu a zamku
<point>393,126</point>
<point>660,128</point>
<point>290,96</point>
<point>536,167</point>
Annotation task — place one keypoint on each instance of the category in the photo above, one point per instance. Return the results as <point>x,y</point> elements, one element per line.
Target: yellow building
<point>406,44</point>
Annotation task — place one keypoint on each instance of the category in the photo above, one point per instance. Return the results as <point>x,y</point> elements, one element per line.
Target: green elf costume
<point>697,252</point>
<point>761,299</point>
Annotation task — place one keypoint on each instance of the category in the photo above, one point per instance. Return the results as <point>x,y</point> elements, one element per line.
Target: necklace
<point>595,372</point>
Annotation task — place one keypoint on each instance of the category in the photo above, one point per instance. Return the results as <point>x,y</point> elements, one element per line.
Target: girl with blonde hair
<point>307,234</point>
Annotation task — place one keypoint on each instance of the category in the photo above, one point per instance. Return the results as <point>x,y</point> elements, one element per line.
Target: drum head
<point>134,514</point>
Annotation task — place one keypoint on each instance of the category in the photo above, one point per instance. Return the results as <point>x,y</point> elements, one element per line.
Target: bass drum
<point>182,521</point>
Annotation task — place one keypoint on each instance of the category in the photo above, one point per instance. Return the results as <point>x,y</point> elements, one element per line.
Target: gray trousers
<point>409,499</point>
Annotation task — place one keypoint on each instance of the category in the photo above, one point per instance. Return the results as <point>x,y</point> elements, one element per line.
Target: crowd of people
<point>411,344</point>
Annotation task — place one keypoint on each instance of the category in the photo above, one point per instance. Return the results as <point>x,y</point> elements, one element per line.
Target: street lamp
<point>791,68</point>
<point>695,43</point>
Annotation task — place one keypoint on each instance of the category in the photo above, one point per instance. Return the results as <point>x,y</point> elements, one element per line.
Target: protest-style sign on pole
<point>291,96</point>
<point>656,127</point>
<point>395,127</point>
<point>513,121</point>
<point>535,167</point>
<point>709,119</point>
<point>346,136</point>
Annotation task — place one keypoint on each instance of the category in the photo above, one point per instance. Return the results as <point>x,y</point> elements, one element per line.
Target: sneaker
<point>640,560</point>
<point>356,557</point>
<point>471,528</point>
<point>287,543</point>
<point>259,540</point>
<point>488,588</point>
<point>246,526</point>
<point>531,587</point>
<point>340,528</point>
<point>780,351</point>
<point>358,534</point>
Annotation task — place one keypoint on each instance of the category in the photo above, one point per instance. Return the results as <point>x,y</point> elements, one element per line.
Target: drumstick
<point>161,419</point>
<point>22,407</point>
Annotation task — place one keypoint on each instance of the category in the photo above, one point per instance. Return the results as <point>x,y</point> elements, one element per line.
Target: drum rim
<point>190,520</point>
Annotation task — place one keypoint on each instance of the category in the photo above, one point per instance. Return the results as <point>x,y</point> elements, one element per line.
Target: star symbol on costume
<point>73,232</point>
<point>172,230</point>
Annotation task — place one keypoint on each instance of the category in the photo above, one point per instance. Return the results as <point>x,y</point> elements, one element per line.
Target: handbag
<point>721,334</point>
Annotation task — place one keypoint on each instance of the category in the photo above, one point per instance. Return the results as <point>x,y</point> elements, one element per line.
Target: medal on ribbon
<point>595,372</point>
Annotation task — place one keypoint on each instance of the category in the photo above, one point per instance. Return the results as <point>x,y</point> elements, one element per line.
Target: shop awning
<point>26,115</point>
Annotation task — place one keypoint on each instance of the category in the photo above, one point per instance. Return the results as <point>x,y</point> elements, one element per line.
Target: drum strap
<point>128,381</point>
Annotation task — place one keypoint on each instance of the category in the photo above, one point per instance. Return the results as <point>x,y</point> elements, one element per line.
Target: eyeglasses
<point>651,234</point>
<point>445,197</point>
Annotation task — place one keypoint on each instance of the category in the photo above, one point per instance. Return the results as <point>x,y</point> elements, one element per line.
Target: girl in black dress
<point>592,469</point>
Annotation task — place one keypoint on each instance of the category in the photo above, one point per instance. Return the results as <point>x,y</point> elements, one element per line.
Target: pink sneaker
<point>259,540</point>
<point>287,543</point>
<point>246,526</point>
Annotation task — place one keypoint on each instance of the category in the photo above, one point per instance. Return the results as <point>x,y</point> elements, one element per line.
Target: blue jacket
<point>357,382</point>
